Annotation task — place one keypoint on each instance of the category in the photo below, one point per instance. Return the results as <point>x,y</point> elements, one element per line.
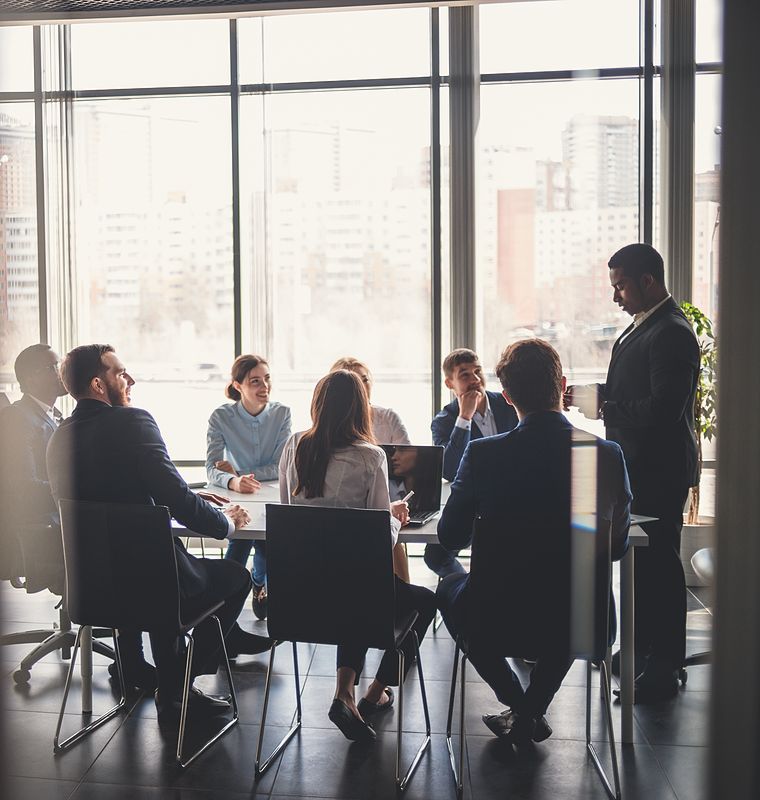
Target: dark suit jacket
<point>649,399</point>
<point>454,440</point>
<point>525,475</point>
<point>117,455</point>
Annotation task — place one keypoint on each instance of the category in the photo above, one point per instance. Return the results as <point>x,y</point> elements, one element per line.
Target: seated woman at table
<point>387,428</point>
<point>243,447</point>
<point>336,463</point>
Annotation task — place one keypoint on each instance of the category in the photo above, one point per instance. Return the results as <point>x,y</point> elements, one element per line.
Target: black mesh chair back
<point>121,570</point>
<point>343,558</point>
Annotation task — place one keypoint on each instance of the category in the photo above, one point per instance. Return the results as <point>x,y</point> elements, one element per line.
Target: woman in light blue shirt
<point>243,447</point>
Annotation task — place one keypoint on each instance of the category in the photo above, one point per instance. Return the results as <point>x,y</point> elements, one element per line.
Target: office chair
<point>703,564</point>
<point>121,572</point>
<point>32,559</point>
<point>534,609</point>
<point>342,555</point>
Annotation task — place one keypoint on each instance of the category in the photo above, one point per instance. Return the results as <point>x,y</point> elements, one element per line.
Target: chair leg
<point>60,640</point>
<point>260,768</point>
<point>438,619</point>
<point>457,772</point>
<point>613,793</point>
<point>184,762</point>
<point>402,783</point>
<point>82,732</point>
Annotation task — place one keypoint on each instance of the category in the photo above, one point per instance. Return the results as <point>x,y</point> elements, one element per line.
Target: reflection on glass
<point>19,299</point>
<point>336,241</point>
<point>154,251</point>
<point>558,194</point>
<point>155,53</point>
<point>561,34</point>
<point>334,46</point>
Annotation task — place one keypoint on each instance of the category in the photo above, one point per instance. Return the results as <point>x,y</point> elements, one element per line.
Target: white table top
<point>255,504</point>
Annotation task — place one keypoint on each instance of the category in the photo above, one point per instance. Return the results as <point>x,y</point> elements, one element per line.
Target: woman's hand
<point>400,511</point>
<point>245,484</point>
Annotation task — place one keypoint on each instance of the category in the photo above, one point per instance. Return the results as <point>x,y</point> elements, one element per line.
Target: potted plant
<point>699,530</point>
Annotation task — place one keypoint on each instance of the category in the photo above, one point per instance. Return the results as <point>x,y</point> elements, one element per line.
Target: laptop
<point>417,468</point>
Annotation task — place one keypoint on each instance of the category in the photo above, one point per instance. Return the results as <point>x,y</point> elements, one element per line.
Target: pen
<point>405,499</point>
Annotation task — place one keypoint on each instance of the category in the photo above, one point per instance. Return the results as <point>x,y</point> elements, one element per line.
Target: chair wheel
<point>682,676</point>
<point>22,676</point>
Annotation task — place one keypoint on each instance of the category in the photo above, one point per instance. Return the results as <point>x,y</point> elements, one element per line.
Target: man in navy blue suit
<point>473,414</point>
<point>107,451</point>
<point>524,475</point>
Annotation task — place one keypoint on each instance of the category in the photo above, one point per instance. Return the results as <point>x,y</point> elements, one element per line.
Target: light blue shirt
<point>250,444</point>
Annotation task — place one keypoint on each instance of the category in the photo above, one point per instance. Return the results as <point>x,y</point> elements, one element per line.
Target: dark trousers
<point>545,678</point>
<point>442,561</point>
<point>408,598</point>
<point>660,605</point>
<point>228,583</point>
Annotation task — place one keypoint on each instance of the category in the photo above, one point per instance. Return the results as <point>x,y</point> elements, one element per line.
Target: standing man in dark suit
<point>107,451</point>
<point>647,404</point>
<point>521,481</point>
<point>473,414</point>
<point>26,427</point>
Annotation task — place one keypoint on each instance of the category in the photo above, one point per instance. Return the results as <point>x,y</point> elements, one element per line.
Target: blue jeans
<point>239,550</point>
<point>442,561</point>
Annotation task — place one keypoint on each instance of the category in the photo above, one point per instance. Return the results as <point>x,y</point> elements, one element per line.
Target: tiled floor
<point>130,758</point>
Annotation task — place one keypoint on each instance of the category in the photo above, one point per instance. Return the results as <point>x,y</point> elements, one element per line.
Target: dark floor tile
<point>105,791</point>
<point>38,789</point>
<point>561,770</point>
<point>143,754</point>
<point>686,769</point>
<point>348,770</point>
<point>29,746</point>
<point>683,720</point>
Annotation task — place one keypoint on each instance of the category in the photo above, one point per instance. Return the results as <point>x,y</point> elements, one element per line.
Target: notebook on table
<point>417,468</point>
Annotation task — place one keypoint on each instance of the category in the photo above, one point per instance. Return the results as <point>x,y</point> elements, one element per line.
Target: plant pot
<point>693,538</point>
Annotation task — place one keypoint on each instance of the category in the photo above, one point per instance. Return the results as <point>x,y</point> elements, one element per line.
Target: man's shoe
<point>350,726</point>
<point>259,601</point>
<point>654,688</point>
<point>242,643</point>
<point>197,703</point>
<point>509,725</point>
<point>141,676</point>
<point>368,709</point>
<point>542,730</point>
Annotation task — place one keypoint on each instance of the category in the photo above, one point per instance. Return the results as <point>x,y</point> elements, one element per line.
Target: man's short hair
<point>531,374</point>
<point>28,362</point>
<point>461,355</point>
<point>81,365</point>
<point>639,259</point>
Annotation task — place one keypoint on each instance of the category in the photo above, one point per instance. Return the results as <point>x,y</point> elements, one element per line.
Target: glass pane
<point>16,60</point>
<point>559,34</point>
<point>709,30</point>
<point>19,298</point>
<point>336,242</point>
<point>171,53</point>
<point>558,194</point>
<point>331,46</point>
<point>154,252</point>
<point>706,193</point>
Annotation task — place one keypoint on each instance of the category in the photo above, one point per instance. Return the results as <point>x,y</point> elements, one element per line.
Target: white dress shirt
<point>387,427</point>
<point>485,421</point>
<point>640,318</point>
<point>357,477</point>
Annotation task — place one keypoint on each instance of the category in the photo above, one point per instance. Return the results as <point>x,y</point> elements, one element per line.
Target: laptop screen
<point>415,468</point>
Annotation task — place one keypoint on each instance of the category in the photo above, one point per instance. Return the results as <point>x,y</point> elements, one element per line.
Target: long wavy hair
<point>340,417</point>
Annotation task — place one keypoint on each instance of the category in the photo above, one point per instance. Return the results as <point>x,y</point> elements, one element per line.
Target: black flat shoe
<point>350,726</point>
<point>368,709</point>
<point>141,677</point>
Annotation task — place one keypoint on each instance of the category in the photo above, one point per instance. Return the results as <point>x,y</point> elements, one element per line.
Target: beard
<point>117,397</point>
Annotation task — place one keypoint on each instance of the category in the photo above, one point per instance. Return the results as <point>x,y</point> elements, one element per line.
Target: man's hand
<point>225,466</point>
<point>245,484</point>
<point>400,511</point>
<point>468,402</point>
<point>214,499</point>
<point>239,516</point>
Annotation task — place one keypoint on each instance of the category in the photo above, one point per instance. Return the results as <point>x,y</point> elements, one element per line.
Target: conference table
<point>270,493</point>
<point>256,530</point>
